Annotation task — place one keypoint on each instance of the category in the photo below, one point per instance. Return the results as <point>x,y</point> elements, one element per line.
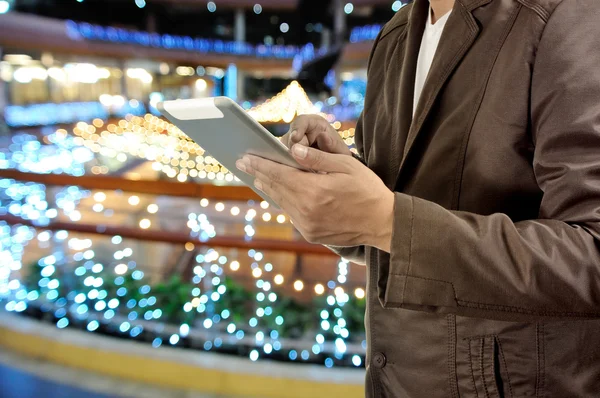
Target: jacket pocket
<point>485,374</point>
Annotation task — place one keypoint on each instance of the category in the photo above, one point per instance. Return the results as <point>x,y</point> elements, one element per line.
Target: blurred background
<point>132,264</point>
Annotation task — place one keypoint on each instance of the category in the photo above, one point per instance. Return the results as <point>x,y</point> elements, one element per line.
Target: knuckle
<point>305,208</point>
<point>310,232</point>
<point>274,176</point>
<point>317,158</point>
<point>309,238</point>
<point>267,184</point>
<point>298,122</point>
<point>254,163</point>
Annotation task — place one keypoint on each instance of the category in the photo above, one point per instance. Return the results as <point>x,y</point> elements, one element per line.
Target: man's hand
<point>316,132</point>
<point>346,204</point>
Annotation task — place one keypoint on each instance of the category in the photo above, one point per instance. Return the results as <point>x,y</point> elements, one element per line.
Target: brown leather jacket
<point>492,287</point>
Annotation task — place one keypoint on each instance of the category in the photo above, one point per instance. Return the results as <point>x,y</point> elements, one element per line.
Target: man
<point>478,217</point>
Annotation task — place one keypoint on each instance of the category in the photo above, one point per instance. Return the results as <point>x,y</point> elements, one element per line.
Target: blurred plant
<point>173,295</point>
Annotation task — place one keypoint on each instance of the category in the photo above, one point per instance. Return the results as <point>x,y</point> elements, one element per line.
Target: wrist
<point>381,234</point>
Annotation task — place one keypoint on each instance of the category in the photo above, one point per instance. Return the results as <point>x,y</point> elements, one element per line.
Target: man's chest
<point>469,137</point>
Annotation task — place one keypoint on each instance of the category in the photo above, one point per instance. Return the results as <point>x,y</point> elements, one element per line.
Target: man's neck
<point>439,8</point>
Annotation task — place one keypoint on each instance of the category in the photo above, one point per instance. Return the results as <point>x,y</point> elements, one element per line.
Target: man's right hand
<point>315,131</point>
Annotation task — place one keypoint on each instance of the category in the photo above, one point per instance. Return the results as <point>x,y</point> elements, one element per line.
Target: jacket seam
<point>372,331</point>
<point>539,10</point>
<point>537,354</point>
<point>501,352</point>
<point>482,368</point>
<point>471,369</point>
<point>452,377</point>
<point>541,359</point>
<point>391,30</point>
<point>410,245</point>
<point>522,310</point>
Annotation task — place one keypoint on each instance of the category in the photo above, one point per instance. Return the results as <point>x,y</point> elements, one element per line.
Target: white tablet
<point>227,133</point>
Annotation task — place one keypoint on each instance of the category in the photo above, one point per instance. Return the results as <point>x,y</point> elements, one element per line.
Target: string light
<point>145,223</point>
<point>359,293</point>
<point>121,269</point>
<point>369,32</point>
<point>285,106</point>
<point>319,289</point>
<point>152,209</point>
<point>173,152</point>
<point>208,277</point>
<point>99,196</point>
<point>79,31</point>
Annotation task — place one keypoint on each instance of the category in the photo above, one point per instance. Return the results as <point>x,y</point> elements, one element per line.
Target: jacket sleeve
<point>491,267</point>
<point>356,254</point>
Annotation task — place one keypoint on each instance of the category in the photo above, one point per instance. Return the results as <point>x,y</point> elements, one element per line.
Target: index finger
<point>305,129</point>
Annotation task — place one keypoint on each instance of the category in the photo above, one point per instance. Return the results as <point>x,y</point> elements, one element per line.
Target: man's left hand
<point>343,204</point>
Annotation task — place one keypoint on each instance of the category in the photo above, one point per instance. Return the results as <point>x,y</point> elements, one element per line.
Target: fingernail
<point>240,165</point>
<point>300,151</point>
<point>258,184</point>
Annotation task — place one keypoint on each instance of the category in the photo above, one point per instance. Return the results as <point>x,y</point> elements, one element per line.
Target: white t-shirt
<point>429,45</point>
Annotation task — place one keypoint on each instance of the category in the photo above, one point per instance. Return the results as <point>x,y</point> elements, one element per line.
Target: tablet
<point>227,133</point>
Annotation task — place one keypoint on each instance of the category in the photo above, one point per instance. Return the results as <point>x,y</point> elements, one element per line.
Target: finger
<point>317,160</point>
<point>280,194</point>
<point>287,140</point>
<point>309,127</point>
<point>298,127</point>
<point>243,167</point>
<point>304,141</point>
<point>326,143</point>
<point>267,188</point>
<point>277,172</point>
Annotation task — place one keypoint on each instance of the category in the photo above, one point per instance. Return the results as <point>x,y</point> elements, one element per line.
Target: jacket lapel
<point>408,72</point>
<point>459,35</point>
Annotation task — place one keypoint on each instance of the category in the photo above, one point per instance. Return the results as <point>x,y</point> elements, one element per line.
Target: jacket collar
<point>459,35</point>
<point>470,5</point>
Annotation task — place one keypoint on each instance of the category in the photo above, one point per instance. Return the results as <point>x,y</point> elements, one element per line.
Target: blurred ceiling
<point>305,18</point>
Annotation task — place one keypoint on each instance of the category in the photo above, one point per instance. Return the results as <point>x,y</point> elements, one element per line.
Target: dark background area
<point>305,23</point>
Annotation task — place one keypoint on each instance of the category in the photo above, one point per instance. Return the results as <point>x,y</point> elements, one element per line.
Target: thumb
<point>317,160</point>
